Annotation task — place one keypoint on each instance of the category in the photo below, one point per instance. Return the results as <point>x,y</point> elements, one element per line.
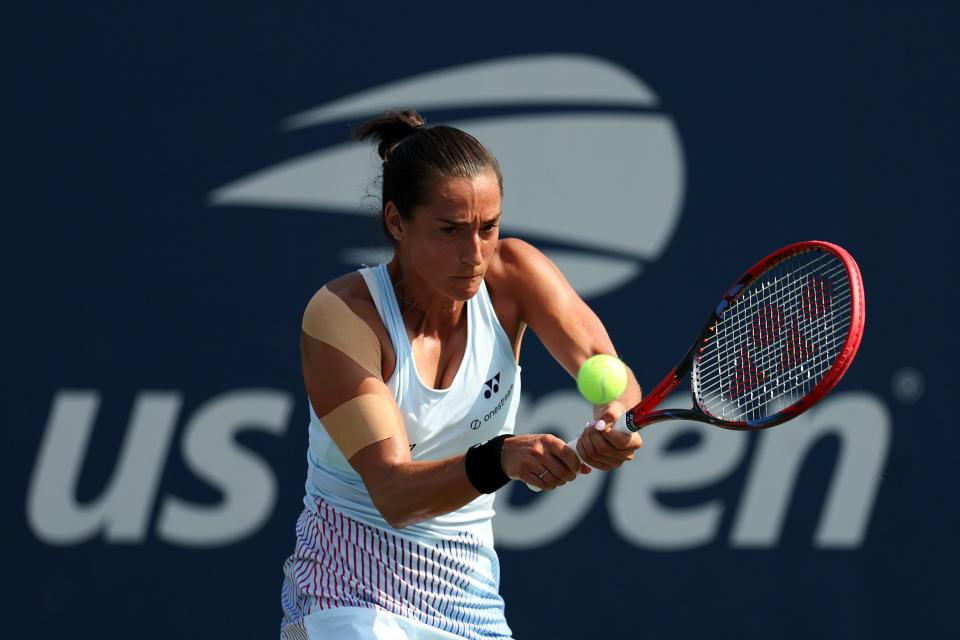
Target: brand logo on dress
<point>492,386</point>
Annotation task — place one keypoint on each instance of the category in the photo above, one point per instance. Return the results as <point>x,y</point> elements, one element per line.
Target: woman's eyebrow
<point>461,223</point>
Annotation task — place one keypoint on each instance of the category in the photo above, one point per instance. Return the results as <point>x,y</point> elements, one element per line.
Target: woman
<point>412,375</point>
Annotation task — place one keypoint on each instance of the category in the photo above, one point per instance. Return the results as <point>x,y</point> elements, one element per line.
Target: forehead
<point>479,195</point>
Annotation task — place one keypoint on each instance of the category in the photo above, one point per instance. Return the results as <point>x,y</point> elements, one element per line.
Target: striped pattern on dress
<point>451,584</point>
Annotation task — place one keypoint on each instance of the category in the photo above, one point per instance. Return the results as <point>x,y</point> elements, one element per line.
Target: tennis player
<point>411,368</point>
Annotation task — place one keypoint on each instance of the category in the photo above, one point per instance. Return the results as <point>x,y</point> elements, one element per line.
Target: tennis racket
<point>779,340</point>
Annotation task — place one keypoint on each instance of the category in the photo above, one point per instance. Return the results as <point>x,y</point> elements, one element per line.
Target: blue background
<point>838,122</point>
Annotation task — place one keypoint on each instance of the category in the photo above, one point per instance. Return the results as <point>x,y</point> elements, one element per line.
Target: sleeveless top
<point>435,579</point>
<point>479,404</point>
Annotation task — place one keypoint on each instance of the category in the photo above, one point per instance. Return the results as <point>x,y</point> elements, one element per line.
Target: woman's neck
<point>421,311</point>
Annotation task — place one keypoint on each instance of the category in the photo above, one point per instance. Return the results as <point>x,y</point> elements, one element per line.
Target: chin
<point>465,289</point>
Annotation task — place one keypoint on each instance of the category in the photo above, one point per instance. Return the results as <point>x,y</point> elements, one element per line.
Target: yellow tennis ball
<point>602,379</point>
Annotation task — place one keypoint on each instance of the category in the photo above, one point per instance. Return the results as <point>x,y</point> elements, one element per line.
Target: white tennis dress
<point>352,575</point>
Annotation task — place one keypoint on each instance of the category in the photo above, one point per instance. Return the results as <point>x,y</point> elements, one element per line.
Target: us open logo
<point>585,146</point>
<point>583,143</point>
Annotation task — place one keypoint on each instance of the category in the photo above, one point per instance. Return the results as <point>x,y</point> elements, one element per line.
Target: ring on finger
<point>540,475</point>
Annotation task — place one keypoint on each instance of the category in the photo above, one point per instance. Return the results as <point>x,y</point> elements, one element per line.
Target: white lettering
<point>121,512</point>
<point>860,420</point>
<point>638,515</point>
<point>124,505</point>
<point>248,485</point>
<point>863,425</point>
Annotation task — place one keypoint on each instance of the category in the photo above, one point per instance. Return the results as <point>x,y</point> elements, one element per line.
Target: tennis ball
<point>602,379</point>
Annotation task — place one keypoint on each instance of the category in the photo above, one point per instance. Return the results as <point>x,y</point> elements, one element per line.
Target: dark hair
<point>414,155</point>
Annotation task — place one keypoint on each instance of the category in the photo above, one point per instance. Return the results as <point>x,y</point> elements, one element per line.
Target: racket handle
<point>620,425</point>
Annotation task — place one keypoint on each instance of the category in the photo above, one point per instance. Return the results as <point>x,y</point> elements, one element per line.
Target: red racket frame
<point>644,414</point>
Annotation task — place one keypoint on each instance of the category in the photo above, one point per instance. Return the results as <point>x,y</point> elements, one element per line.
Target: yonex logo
<point>492,386</point>
<point>785,338</point>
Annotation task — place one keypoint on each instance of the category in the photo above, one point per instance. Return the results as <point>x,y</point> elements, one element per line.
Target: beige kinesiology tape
<point>361,421</point>
<point>329,319</point>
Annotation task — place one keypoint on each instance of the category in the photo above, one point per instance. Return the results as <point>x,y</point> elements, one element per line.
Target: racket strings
<point>752,370</point>
<point>777,340</point>
<point>710,357</point>
<point>765,348</point>
<point>751,365</point>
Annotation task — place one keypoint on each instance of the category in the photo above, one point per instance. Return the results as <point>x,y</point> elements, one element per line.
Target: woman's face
<point>447,244</point>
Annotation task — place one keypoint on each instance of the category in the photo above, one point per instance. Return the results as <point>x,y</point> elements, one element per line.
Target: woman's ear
<point>393,220</point>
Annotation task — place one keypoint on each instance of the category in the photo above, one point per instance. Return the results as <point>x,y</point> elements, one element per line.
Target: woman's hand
<point>541,460</point>
<point>603,447</point>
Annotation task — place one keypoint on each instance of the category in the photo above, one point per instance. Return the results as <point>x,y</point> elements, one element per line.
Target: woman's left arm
<point>571,332</point>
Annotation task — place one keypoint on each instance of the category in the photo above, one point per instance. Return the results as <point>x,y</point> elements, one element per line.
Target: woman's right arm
<point>374,440</point>
<point>342,370</point>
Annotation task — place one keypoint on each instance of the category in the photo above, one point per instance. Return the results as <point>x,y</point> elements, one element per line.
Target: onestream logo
<point>594,174</point>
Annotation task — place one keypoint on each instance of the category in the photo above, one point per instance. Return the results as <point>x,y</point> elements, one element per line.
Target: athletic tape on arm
<point>329,319</point>
<point>365,419</point>
<point>361,421</point>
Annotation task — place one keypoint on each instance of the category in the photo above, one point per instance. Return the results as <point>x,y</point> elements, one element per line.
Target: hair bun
<point>390,129</point>
<point>415,156</point>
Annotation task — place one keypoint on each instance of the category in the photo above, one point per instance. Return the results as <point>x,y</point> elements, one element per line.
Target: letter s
<point>248,485</point>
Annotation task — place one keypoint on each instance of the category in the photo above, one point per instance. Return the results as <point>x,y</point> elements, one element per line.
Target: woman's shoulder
<point>517,264</point>
<point>351,290</point>
<point>513,249</point>
<point>518,275</point>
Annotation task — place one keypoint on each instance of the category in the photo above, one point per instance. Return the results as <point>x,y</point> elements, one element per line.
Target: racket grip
<point>620,425</point>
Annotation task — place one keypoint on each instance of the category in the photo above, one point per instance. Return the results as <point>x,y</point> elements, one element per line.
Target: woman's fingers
<point>596,451</point>
<point>607,449</point>
<point>561,463</point>
<point>541,460</point>
<point>546,462</point>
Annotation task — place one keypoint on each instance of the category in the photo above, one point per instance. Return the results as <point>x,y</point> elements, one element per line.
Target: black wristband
<point>484,470</point>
